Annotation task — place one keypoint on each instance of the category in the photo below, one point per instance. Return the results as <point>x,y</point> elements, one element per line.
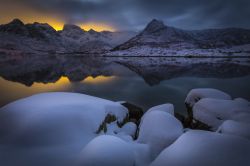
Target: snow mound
<point>196,94</point>
<point>107,151</point>
<point>129,129</point>
<point>214,111</point>
<point>235,128</point>
<point>56,118</point>
<point>169,108</point>
<point>159,129</point>
<point>126,132</point>
<point>196,148</point>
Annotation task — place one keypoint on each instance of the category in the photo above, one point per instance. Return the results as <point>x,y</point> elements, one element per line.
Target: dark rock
<point>135,112</point>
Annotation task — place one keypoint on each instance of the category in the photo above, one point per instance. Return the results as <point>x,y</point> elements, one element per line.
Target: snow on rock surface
<point>235,128</point>
<point>129,129</point>
<point>196,148</point>
<point>71,113</point>
<point>196,94</point>
<point>169,108</point>
<point>107,151</point>
<point>65,122</point>
<point>159,129</point>
<point>214,111</point>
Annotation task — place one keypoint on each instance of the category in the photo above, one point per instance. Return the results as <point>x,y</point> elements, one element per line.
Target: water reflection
<point>143,81</point>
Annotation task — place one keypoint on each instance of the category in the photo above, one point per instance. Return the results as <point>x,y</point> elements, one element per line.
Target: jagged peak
<point>16,21</point>
<point>154,25</point>
<point>71,26</point>
<point>92,31</point>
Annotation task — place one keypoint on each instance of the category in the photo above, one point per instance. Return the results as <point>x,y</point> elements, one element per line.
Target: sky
<point>118,15</point>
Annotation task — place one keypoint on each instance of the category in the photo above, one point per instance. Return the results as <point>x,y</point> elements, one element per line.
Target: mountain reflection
<point>56,69</point>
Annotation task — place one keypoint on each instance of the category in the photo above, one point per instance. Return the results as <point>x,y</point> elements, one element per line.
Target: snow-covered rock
<point>196,148</point>
<point>169,108</point>
<point>107,151</point>
<point>129,129</point>
<point>214,111</point>
<point>159,129</point>
<point>56,118</point>
<point>196,94</point>
<point>235,128</point>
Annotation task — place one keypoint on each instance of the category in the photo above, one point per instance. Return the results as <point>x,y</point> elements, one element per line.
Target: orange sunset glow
<point>31,15</point>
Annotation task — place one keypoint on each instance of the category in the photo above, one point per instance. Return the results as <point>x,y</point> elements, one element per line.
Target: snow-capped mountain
<point>157,37</point>
<point>94,41</point>
<point>39,37</point>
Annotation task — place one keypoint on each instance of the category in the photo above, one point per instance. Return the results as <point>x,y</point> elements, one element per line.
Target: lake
<point>143,81</point>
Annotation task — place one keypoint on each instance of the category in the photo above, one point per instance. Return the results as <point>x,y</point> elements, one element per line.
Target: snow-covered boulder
<point>107,150</point>
<point>196,94</point>
<point>169,108</point>
<point>214,111</point>
<point>196,148</point>
<point>126,132</point>
<point>159,129</point>
<point>55,118</point>
<point>52,127</point>
<point>129,129</point>
<point>235,128</point>
<point>242,101</point>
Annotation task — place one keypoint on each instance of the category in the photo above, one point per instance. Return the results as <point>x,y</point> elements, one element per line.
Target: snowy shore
<point>80,130</point>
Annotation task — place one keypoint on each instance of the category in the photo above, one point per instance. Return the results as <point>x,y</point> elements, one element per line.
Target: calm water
<point>145,82</point>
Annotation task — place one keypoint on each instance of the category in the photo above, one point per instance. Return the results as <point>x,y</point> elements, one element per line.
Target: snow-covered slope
<point>159,39</point>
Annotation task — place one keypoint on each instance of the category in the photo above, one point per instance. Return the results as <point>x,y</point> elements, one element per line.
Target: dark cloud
<point>134,14</point>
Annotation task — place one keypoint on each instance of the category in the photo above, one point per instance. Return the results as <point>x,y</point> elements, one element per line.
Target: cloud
<point>135,14</point>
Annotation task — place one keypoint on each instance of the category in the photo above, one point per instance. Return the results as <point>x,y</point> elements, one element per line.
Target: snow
<point>61,129</point>
<point>196,148</point>
<point>214,111</point>
<point>66,122</point>
<point>126,132</point>
<point>159,129</point>
<point>107,151</point>
<point>235,128</point>
<point>129,129</point>
<point>169,108</point>
<point>196,94</point>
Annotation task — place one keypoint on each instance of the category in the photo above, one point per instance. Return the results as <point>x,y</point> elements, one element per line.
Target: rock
<point>107,151</point>
<point>135,112</point>
<point>159,129</point>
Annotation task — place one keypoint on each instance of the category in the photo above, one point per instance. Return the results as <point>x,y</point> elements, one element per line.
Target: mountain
<point>32,38</point>
<point>93,40</point>
<point>42,38</point>
<point>157,37</point>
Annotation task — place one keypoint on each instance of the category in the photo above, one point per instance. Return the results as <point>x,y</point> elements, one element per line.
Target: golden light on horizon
<point>98,79</point>
<point>58,25</point>
<point>97,27</point>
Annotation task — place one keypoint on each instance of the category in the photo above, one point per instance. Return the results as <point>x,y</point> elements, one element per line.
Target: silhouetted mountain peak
<point>16,22</point>
<point>69,27</point>
<point>92,31</point>
<point>154,25</point>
